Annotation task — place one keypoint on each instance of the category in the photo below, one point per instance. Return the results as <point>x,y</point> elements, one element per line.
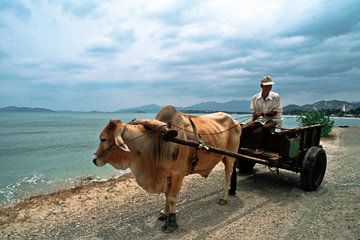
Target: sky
<point>112,54</point>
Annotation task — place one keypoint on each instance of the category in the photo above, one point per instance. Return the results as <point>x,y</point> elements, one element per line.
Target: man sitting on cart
<point>267,112</point>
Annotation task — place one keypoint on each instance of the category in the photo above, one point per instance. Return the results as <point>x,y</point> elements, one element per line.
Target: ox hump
<point>166,112</point>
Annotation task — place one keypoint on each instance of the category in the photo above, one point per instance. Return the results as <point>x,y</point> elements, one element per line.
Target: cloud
<point>16,8</point>
<point>72,67</point>
<point>113,44</point>
<point>178,52</point>
<point>337,18</point>
<point>3,54</point>
<point>80,8</point>
<point>102,50</point>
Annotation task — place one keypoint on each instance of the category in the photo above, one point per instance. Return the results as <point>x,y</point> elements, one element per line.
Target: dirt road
<point>267,206</point>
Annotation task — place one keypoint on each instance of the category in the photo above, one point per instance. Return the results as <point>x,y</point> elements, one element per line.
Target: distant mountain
<point>321,105</point>
<point>151,108</point>
<point>230,106</point>
<point>292,107</point>
<point>334,104</point>
<point>244,106</point>
<point>24,109</point>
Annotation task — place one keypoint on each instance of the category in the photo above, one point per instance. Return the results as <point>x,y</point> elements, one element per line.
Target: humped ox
<point>160,166</point>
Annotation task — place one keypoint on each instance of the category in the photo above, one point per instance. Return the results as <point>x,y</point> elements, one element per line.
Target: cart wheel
<point>244,166</point>
<point>313,169</point>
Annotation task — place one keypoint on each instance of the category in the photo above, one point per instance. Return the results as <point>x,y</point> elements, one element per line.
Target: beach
<point>267,205</point>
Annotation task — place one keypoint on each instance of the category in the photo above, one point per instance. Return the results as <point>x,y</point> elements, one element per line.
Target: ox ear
<point>119,141</point>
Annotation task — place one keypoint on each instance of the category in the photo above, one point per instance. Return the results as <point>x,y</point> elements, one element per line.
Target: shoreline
<point>62,194</point>
<point>62,191</point>
<point>51,186</point>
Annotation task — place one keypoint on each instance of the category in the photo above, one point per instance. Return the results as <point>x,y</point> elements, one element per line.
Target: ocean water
<point>44,152</point>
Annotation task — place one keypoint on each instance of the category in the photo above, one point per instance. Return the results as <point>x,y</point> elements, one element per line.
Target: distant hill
<point>334,104</point>
<point>292,107</point>
<point>24,109</point>
<point>242,106</point>
<point>322,105</point>
<point>152,108</point>
<point>230,106</point>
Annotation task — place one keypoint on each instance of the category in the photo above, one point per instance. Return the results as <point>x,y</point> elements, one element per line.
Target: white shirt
<point>271,103</point>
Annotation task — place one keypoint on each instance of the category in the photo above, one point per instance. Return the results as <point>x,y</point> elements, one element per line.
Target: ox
<point>160,166</point>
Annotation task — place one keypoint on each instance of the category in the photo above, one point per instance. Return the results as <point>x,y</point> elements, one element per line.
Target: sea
<point>44,152</point>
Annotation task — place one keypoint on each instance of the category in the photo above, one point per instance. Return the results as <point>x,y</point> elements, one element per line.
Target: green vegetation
<point>316,117</point>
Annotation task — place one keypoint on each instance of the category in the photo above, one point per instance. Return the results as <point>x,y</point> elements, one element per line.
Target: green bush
<point>316,117</point>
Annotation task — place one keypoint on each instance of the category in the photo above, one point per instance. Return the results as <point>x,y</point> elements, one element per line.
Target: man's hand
<point>270,114</point>
<point>256,115</point>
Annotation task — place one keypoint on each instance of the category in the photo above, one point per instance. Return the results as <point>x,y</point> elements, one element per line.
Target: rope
<point>213,133</point>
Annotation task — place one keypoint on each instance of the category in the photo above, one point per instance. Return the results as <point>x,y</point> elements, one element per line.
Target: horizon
<point>110,55</point>
<point>178,106</point>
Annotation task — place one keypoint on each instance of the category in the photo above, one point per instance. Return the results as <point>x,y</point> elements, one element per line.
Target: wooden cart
<point>295,149</point>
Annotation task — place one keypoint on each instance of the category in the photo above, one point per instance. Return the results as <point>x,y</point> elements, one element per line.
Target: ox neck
<point>132,134</point>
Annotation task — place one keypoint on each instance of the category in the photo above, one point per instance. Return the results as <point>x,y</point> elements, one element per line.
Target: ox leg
<point>233,182</point>
<point>229,163</point>
<point>170,205</point>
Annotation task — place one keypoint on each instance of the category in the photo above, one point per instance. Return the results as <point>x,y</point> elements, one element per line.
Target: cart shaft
<point>212,149</point>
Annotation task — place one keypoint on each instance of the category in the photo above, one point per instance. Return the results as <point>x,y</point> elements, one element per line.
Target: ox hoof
<point>170,224</point>
<point>232,192</point>
<point>222,201</point>
<point>169,229</point>
<point>163,216</point>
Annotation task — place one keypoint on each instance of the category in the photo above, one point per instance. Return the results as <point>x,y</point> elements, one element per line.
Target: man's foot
<point>259,150</point>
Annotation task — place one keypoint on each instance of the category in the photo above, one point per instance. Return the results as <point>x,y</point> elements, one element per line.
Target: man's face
<point>266,88</point>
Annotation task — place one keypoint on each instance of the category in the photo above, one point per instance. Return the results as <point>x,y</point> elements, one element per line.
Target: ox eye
<point>102,140</point>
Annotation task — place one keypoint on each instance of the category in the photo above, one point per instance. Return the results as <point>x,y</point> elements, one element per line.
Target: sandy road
<point>267,206</point>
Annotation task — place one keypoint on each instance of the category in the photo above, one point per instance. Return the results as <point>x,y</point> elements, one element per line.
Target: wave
<point>38,184</point>
<point>30,186</point>
<point>9,193</point>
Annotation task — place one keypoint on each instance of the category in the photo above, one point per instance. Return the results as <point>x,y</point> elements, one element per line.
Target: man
<point>267,111</point>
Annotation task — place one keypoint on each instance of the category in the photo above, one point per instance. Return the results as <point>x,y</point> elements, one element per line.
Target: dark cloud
<point>72,66</point>
<point>99,50</point>
<point>79,8</point>
<point>120,40</point>
<point>338,18</point>
<point>3,54</point>
<point>16,8</point>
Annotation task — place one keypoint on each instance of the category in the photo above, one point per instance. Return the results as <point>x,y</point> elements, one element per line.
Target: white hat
<point>266,80</point>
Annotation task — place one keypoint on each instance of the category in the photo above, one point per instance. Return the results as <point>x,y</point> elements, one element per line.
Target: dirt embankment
<point>267,206</point>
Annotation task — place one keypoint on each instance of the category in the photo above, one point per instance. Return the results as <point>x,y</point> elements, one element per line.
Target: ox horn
<point>119,141</point>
